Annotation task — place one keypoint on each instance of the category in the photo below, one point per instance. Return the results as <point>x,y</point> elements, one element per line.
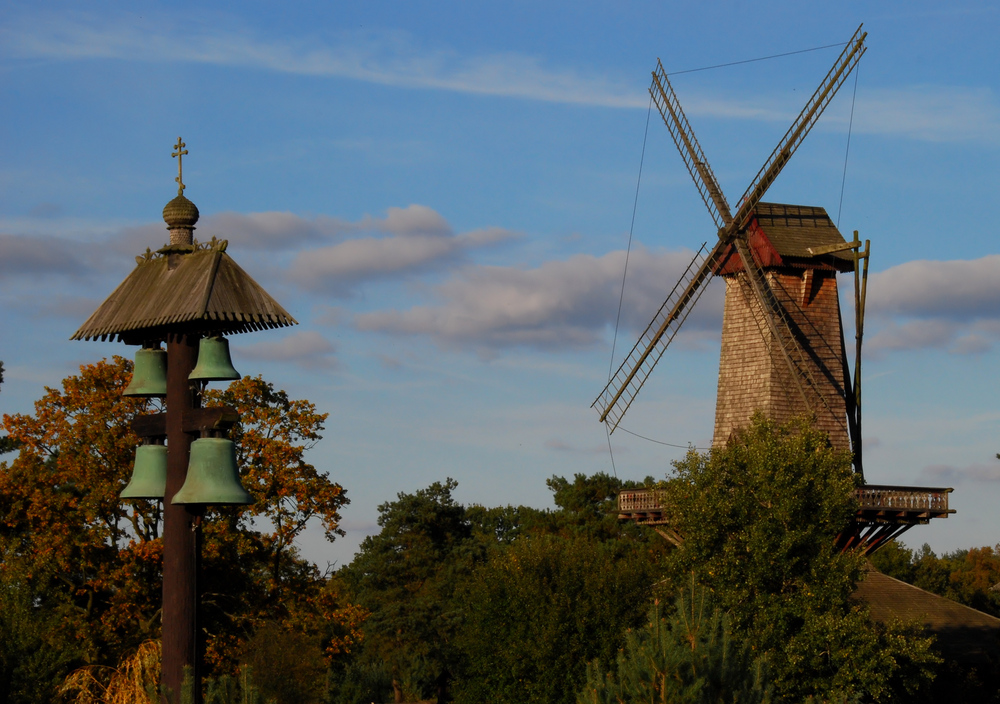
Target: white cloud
<point>420,239</point>
<point>275,231</point>
<point>560,304</point>
<point>962,289</point>
<point>307,349</point>
<point>930,113</point>
<point>951,305</point>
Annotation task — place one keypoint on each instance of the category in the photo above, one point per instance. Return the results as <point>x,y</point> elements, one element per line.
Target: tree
<point>406,577</point>
<point>537,610</point>
<point>688,656</point>
<point>6,445</point>
<point>589,506</point>
<point>758,519</point>
<point>95,562</point>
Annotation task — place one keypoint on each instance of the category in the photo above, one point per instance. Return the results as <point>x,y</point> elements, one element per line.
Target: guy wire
<point>628,251</point>
<point>850,128</point>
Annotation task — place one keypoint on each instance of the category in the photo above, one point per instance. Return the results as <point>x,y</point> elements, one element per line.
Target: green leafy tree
<point>589,506</point>
<point>543,606</point>
<point>758,519</point>
<point>688,656</point>
<point>406,577</point>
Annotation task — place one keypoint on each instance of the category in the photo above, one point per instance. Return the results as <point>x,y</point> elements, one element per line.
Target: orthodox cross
<point>181,151</point>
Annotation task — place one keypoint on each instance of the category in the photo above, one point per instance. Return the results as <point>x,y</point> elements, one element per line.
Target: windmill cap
<point>180,212</point>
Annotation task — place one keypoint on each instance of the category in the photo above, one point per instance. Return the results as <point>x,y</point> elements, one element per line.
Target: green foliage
<point>32,665</point>
<point>239,689</point>
<point>758,519</point>
<point>406,577</point>
<point>499,604</point>
<point>589,506</point>
<point>360,683</point>
<point>538,610</point>
<point>688,657</point>
<point>287,665</point>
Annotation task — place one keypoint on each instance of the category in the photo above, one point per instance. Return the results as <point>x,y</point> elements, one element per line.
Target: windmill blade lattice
<point>623,387</point>
<point>810,114</point>
<point>687,144</point>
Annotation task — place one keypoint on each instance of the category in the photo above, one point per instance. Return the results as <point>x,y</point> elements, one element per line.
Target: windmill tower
<point>782,343</point>
<point>753,374</point>
<point>783,348</point>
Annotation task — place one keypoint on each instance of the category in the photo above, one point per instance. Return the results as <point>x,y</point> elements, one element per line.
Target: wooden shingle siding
<point>753,374</point>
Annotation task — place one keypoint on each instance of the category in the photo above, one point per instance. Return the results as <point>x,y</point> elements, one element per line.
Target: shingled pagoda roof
<point>782,236</point>
<point>197,288</point>
<point>963,634</point>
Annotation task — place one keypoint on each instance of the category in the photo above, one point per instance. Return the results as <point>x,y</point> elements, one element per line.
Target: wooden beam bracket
<point>196,421</point>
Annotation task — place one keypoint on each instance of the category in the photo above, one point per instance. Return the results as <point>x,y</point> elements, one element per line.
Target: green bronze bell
<point>212,475</point>
<point>214,363</point>
<point>149,375</point>
<point>149,474</point>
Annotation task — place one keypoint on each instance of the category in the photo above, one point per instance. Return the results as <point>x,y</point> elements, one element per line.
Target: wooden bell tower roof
<point>782,236</point>
<point>185,287</point>
<point>198,287</point>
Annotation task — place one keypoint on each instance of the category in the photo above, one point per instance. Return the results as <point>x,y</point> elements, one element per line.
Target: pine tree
<point>687,657</point>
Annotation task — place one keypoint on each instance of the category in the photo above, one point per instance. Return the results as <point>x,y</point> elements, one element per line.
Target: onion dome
<point>180,212</point>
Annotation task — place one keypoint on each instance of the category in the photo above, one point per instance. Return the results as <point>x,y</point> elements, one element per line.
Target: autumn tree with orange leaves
<point>94,562</point>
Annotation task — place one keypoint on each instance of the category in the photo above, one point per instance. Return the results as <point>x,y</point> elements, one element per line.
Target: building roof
<point>184,288</point>
<point>782,236</point>
<point>963,633</point>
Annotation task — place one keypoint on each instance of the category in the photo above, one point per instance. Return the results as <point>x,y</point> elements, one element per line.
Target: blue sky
<point>442,194</point>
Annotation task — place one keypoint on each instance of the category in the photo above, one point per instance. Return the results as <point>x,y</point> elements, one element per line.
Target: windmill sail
<point>774,324</point>
<point>687,144</point>
<point>623,387</point>
<point>810,114</point>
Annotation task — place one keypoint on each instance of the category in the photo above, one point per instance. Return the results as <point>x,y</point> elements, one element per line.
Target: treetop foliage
<point>758,518</point>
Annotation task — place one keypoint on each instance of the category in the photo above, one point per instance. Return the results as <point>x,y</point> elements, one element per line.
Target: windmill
<point>783,348</point>
<point>782,342</point>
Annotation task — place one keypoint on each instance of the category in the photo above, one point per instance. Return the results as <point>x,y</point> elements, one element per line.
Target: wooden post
<point>180,529</point>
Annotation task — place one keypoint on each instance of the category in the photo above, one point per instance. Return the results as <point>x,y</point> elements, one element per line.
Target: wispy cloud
<point>560,304</point>
<point>34,256</point>
<point>307,349</point>
<point>947,474</point>
<point>389,58</point>
<point>417,239</point>
<point>925,113</point>
<point>930,113</point>
<point>393,58</point>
